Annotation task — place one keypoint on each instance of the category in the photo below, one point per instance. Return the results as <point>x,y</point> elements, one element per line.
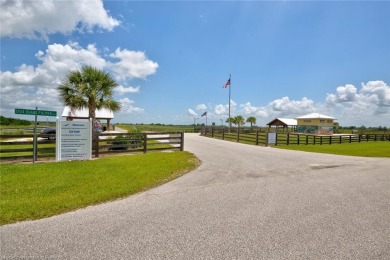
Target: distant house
<point>285,123</point>
<point>101,114</point>
<point>316,124</point>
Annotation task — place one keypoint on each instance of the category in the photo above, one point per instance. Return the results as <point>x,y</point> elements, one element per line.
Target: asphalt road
<point>243,202</point>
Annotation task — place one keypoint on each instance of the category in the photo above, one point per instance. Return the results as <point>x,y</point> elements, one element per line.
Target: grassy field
<point>159,128</point>
<point>33,191</point>
<point>365,149</point>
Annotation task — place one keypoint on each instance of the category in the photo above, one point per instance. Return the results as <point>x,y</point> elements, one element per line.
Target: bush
<point>119,143</point>
<point>124,142</point>
<point>136,136</point>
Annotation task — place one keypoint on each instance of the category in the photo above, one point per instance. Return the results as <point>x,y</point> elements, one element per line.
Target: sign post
<point>36,113</point>
<point>35,137</point>
<point>271,139</point>
<point>74,140</point>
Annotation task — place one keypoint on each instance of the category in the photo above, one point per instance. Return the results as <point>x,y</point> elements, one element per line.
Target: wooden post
<point>298,139</point>
<point>307,139</point>
<point>238,134</point>
<point>182,141</point>
<point>145,142</point>
<point>212,132</point>
<point>223,133</point>
<point>320,140</point>
<point>288,138</point>
<point>257,137</point>
<point>96,144</point>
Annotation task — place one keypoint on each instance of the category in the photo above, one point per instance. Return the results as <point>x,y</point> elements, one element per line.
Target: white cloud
<point>132,64</point>
<point>201,107</point>
<point>57,61</point>
<point>369,106</point>
<point>248,109</point>
<point>128,108</point>
<point>122,90</point>
<point>380,90</point>
<point>192,113</point>
<point>38,19</point>
<point>37,85</point>
<point>345,93</point>
<point>284,106</point>
<point>221,110</point>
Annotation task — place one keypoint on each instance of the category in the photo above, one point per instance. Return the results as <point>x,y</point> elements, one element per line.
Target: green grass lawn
<point>366,149</point>
<point>33,191</point>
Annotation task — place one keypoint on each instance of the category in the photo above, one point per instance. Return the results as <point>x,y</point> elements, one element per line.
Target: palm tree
<point>239,120</point>
<point>89,88</point>
<point>251,120</point>
<point>230,120</point>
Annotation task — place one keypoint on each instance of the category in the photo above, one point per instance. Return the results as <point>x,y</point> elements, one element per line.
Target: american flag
<point>227,83</point>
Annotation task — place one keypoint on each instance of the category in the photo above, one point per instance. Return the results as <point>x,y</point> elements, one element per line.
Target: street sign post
<point>35,112</point>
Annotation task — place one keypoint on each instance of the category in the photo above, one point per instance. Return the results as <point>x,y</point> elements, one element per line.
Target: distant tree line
<point>13,121</point>
<point>379,128</point>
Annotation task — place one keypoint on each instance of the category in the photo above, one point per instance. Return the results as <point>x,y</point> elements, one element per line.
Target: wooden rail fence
<point>20,147</point>
<point>257,137</point>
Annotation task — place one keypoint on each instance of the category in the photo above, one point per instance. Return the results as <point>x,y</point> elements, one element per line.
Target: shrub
<point>119,143</point>
<point>124,142</point>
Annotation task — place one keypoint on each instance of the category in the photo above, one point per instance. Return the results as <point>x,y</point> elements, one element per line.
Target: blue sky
<point>171,58</point>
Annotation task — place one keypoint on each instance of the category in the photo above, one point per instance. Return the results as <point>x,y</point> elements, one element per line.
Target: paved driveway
<point>243,202</point>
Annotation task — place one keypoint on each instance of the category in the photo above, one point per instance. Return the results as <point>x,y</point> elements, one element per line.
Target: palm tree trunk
<point>95,137</point>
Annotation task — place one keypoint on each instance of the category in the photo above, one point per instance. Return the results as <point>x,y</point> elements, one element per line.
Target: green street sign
<point>33,112</point>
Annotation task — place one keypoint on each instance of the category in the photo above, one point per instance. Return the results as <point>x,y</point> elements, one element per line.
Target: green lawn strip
<point>365,149</point>
<point>33,191</point>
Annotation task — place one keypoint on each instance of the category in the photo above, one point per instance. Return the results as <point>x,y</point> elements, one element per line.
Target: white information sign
<point>74,140</point>
<point>271,139</point>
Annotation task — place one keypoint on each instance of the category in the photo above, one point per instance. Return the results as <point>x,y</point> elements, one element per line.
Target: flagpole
<point>230,88</point>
